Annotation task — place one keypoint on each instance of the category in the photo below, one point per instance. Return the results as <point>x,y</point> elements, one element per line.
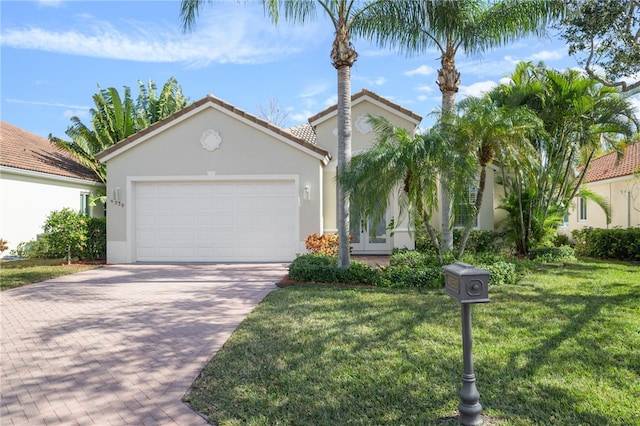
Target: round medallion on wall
<point>363,125</point>
<point>210,140</point>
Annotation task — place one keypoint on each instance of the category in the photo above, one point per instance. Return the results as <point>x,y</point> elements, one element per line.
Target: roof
<point>608,166</point>
<point>23,150</point>
<point>222,104</point>
<point>306,132</point>
<point>367,93</point>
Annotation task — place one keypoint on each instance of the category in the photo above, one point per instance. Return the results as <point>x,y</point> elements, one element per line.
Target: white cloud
<point>49,3</point>
<point>301,117</point>
<point>547,55</point>
<point>424,88</point>
<point>80,113</point>
<point>313,90</point>
<point>422,98</point>
<point>48,104</point>
<point>230,35</point>
<point>477,89</point>
<point>421,70</point>
<point>330,101</point>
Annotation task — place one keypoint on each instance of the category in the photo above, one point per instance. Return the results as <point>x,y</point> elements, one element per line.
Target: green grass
<point>16,273</point>
<point>561,348</point>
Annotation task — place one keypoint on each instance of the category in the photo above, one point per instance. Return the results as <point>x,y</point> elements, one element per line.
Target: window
<point>465,211</point>
<point>565,219</point>
<point>582,209</point>
<point>85,209</point>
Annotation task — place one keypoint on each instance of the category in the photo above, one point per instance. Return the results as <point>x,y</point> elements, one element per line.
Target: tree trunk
<point>344,156</point>
<point>343,56</point>
<point>448,82</point>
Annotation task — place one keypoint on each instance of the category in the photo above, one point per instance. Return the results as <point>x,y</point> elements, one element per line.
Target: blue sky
<point>55,53</point>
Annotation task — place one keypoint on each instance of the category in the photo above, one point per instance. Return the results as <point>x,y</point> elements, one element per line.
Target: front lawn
<point>559,348</point>
<point>16,273</point>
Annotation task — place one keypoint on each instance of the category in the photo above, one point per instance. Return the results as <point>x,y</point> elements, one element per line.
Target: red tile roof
<point>608,166</point>
<point>20,149</point>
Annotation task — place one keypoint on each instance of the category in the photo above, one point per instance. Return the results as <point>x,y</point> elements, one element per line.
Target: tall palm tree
<point>451,26</point>
<point>344,15</point>
<point>117,117</point>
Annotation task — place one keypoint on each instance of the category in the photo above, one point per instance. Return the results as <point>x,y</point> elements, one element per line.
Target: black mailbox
<point>466,283</point>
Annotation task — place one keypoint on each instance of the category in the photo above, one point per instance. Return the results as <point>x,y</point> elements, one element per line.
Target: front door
<point>370,237</point>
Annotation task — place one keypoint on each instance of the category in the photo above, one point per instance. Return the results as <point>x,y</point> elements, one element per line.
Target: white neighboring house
<point>617,180</point>
<point>35,179</point>
<point>213,183</point>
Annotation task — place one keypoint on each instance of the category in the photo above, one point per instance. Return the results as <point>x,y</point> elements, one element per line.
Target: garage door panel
<point>216,221</point>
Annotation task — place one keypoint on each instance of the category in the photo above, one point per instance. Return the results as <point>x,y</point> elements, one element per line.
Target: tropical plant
<point>450,26</point>
<point>579,116</point>
<point>406,164</point>
<point>491,132</point>
<point>117,117</point>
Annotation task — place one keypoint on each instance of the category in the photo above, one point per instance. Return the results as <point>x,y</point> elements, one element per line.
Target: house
<point>618,181</point>
<point>35,179</point>
<point>213,183</point>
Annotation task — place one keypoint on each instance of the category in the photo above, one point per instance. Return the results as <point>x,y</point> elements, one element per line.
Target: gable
<point>222,109</point>
<point>366,95</point>
<point>22,150</point>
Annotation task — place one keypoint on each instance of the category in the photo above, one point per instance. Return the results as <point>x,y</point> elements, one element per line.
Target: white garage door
<point>221,221</point>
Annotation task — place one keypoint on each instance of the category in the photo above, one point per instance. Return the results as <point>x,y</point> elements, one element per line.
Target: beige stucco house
<point>213,183</point>
<point>617,181</point>
<point>35,179</point>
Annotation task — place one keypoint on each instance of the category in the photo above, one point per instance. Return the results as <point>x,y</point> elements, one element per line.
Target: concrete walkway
<point>120,345</point>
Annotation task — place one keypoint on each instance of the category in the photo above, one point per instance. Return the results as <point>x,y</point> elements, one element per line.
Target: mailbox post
<point>467,285</point>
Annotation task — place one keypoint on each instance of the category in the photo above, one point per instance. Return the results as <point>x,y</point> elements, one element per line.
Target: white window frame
<point>582,209</point>
<point>85,208</point>
<point>472,195</point>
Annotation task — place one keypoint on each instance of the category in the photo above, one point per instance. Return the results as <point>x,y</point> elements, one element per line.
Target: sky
<point>55,54</point>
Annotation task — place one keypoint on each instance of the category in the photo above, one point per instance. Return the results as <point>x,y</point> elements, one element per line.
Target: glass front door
<point>370,236</point>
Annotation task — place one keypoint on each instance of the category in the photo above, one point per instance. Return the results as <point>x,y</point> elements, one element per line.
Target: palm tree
<point>470,26</point>
<point>116,117</point>
<point>344,15</point>
<point>579,116</point>
<point>402,163</point>
<point>490,132</point>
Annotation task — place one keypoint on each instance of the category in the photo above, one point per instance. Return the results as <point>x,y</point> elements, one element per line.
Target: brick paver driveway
<point>120,344</point>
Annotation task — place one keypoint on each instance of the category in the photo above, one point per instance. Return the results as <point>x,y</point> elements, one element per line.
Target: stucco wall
<point>27,200</point>
<point>244,151</point>
<point>362,139</point>
<point>624,196</point>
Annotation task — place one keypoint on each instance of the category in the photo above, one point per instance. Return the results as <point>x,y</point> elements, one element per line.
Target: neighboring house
<point>35,179</point>
<point>618,180</point>
<point>213,183</point>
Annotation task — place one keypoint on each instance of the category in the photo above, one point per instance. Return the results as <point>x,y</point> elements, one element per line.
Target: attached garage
<point>216,221</point>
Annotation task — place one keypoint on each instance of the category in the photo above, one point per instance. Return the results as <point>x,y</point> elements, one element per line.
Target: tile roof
<point>367,92</point>
<point>23,150</point>
<point>210,98</point>
<point>608,166</point>
<point>305,131</point>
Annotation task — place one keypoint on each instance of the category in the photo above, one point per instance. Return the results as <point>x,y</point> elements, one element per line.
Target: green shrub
<point>40,248</point>
<point>501,272</point>
<point>552,254</point>
<point>412,258</point>
<point>96,239</point>
<point>616,243</point>
<point>321,268</point>
<point>481,241</point>
<point>407,276</point>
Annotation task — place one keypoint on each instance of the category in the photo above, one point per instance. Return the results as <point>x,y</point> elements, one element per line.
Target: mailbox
<point>466,283</point>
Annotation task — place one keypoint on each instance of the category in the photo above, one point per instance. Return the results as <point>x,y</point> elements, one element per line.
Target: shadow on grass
<point>371,356</point>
